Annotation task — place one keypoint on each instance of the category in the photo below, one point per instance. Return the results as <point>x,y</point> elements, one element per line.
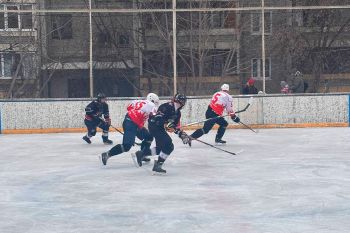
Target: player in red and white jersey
<point>137,114</point>
<point>220,102</point>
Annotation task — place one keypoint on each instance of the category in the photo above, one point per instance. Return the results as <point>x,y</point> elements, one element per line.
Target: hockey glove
<point>185,138</point>
<point>108,121</point>
<point>235,118</point>
<point>171,126</point>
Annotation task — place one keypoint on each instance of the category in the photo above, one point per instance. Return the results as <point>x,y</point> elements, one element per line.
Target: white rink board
<point>286,180</point>
<point>310,109</point>
<point>264,110</point>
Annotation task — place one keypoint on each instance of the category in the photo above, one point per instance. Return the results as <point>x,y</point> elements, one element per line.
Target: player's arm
<point>230,111</point>
<point>180,132</point>
<point>92,110</point>
<point>173,124</point>
<point>106,114</point>
<point>159,117</point>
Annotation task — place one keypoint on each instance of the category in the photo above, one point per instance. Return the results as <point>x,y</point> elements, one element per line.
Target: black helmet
<point>101,96</point>
<point>180,98</point>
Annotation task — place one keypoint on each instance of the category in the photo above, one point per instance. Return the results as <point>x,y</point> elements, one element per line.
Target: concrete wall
<point>265,110</point>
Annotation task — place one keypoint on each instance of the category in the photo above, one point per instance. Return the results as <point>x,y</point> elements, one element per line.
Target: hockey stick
<point>248,127</point>
<point>250,102</point>
<point>208,144</point>
<point>214,118</point>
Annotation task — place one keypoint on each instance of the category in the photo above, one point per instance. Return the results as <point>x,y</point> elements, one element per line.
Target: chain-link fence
<point>77,48</point>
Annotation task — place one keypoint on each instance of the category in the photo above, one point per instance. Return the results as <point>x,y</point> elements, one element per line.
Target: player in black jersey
<point>93,119</point>
<point>167,119</point>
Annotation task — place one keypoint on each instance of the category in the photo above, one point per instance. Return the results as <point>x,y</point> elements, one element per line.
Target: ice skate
<point>86,139</point>
<point>106,141</point>
<point>104,157</point>
<point>157,168</point>
<point>220,141</point>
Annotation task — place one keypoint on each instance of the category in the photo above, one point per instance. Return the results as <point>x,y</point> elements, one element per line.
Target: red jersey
<point>221,100</point>
<point>139,111</point>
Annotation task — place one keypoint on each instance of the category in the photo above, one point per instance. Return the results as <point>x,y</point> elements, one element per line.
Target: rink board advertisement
<point>63,115</point>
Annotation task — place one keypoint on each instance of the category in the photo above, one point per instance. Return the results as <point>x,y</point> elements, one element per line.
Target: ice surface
<point>286,180</point>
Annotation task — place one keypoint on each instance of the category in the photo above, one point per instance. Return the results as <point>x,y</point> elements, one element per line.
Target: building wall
<point>22,44</point>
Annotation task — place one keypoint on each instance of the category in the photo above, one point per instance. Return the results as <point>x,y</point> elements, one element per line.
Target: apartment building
<point>18,49</point>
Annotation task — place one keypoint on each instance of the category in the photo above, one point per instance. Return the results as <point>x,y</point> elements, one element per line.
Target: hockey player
<point>221,100</point>
<point>93,119</point>
<point>138,113</point>
<point>167,119</point>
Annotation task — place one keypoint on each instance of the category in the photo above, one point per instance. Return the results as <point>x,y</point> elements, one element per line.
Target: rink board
<point>63,115</point>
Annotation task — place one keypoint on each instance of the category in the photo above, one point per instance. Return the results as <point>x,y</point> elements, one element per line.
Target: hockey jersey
<point>140,110</point>
<point>166,113</point>
<point>95,110</point>
<point>221,100</point>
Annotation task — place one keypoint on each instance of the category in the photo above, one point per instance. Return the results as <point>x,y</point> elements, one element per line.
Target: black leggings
<point>164,142</point>
<point>131,131</point>
<point>208,125</point>
<point>93,124</point>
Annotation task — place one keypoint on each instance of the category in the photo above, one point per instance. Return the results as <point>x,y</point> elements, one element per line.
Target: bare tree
<point>312,41</point>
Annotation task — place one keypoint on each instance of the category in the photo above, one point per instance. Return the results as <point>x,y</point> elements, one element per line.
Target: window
<point>12,21</point>
<point>62,26</point>
<point>218,19</point>
<point>12,18</point>
<point>257,70</point>
<point>26,18</point>
<point>123,40</point>
<point>217,65</point>
<point>9,63</point>
<point>2,18</point>
<point>104,39</point>
<point>256,23</point>
<point>296,19</point>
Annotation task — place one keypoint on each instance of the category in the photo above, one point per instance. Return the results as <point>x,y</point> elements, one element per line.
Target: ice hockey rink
<point>285,180</point>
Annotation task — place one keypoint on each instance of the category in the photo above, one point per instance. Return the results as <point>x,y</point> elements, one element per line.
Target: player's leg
<point>91,130</point>
<point>105,129</point>
<point>130,131</point>
<point>166,146</point>
<point>144,135</point>
<point>221,131</point>
<point>208,125</point>
<point>147,139</point>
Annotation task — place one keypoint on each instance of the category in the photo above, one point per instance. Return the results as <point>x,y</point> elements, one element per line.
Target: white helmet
<point>153,98</point>
<point>225,87</point>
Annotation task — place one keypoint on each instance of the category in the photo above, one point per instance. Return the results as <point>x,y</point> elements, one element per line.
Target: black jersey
<point>96,109</point>
<point>166,113</point>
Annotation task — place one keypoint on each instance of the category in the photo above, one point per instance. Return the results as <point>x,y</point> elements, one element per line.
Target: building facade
<point>47,54</point>
<point>18,49</point>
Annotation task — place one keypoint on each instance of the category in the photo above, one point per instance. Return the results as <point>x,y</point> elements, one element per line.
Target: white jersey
<point>221,100</point>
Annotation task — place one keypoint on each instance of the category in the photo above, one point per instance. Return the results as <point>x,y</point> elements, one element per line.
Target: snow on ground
<point>286,180</point>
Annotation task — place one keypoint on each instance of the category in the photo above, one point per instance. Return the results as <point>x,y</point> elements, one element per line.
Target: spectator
<point>249,88</point>
<point>285,88</point>
<point>297,83</point>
